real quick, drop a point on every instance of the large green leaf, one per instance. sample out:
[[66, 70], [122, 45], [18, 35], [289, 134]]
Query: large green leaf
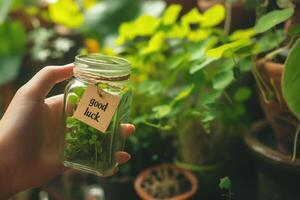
[[4, 9], [291, 80], [272, 19], [12, 48]]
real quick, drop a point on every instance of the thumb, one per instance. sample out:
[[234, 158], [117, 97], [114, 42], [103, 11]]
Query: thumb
[[41, 84]]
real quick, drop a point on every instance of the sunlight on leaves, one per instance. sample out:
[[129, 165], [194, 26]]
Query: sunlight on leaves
[[155, 44], [242, 34], [171, 14], [213, 16], [67, 13]]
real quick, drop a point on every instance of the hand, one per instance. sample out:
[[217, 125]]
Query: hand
[[30, 132]]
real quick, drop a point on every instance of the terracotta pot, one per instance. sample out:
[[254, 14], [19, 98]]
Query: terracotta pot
[[165, 176], [277, 175], [282, 121], [241, 18]]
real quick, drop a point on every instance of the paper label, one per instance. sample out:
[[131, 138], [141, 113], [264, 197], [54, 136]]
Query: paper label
[[96, 108]]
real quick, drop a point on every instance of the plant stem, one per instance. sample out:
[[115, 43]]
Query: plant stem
[[295, 144], [227, 23]]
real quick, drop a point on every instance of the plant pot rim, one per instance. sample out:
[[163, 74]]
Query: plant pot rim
[[265, 152], [191, 177], [198, 168], [271, 66]]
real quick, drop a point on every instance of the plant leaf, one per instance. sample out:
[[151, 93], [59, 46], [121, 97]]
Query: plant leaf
[[156, 43], [222, 79], [294, 30], [225, 183], [218, 52], [184, 93], [242, 34], [272, 19], [198, 66], [242, 94], [162, 111], [4, 9], [171, 14], [192, 17], [291, 80], [67, 13], [213, 16]]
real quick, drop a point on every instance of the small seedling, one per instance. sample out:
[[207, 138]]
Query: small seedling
[[225, 184]]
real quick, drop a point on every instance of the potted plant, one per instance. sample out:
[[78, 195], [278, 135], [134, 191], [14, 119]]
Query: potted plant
[[166, 181], [184, 84], [276, 74]]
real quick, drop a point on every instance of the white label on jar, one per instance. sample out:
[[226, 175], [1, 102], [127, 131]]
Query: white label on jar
[[96, 108]]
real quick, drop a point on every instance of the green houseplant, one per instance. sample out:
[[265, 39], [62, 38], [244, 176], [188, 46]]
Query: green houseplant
[[185, 86], [276, 72]]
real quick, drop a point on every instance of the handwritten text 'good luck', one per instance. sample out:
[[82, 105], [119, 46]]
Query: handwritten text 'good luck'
[[96, 104]]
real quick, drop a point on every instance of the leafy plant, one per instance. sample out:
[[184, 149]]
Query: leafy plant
[[225, 184], [87, 146], [290, 87], [184, 73]]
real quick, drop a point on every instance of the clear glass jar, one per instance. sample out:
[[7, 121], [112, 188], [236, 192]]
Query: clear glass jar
[[84, 147]]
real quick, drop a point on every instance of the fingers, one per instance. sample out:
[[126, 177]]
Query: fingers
[[127, 129], [55, 103], [122, 157], [40, 85]]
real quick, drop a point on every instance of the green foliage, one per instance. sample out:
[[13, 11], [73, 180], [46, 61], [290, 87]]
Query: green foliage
[[225, 184], [181, 66], [4, 9], [291, 80], [272, 19], [105, 17], [12, 49], [67, 13], [86, 145]]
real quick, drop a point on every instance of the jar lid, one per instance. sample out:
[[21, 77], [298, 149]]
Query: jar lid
[[102, 65]]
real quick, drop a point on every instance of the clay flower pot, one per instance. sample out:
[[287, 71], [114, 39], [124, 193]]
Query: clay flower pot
[[166, 181], [277, 176], [282, 121]]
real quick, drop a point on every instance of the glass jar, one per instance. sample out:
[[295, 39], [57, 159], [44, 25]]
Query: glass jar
[[85, 148]]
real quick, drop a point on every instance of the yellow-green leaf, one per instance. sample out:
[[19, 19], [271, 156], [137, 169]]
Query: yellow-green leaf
[[67, 13], [198, 35], [184, 93], [156, 43], [242, 34], [219, 51], [162, 111], [192, 17], [171, 14], [146, 25], [213, 16]]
